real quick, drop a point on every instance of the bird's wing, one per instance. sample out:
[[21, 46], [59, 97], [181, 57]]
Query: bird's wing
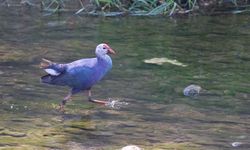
[[52, 68], [75, 74], [85, 63]]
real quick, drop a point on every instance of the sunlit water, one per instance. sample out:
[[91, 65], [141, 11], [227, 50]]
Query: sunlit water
[[154, 113]]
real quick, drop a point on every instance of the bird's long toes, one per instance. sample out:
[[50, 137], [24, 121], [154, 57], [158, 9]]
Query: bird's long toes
[[61, 107]]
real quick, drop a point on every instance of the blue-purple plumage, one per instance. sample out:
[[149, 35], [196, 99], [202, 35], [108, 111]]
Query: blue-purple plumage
[[79, 75]]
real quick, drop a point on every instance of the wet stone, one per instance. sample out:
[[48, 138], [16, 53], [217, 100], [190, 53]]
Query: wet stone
[[236, 144], [131, 147], [192, 90]]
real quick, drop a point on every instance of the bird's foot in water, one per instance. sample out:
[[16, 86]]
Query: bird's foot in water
[[61, 106], [111, 103], [101, 102]]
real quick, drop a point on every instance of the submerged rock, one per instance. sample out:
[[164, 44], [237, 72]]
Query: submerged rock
[[160, 61], [192, 90], [236, 144], [131, 147]]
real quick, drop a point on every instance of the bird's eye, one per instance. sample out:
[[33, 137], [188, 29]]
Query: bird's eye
[[104, 48]]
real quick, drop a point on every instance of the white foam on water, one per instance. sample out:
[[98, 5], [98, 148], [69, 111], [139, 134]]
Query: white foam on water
[[116, 103]]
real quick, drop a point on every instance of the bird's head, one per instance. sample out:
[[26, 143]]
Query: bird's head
[[103, 49]]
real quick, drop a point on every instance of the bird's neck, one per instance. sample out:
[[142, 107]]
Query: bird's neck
[[104, 59]]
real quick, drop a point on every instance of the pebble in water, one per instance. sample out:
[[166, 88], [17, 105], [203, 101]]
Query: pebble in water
[[236, 144], [131, 147], [192, 90]]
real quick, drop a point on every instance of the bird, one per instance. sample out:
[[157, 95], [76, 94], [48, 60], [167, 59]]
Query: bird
[[79, 75]]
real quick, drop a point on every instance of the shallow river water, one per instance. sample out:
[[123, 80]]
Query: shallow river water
[[212, 52]]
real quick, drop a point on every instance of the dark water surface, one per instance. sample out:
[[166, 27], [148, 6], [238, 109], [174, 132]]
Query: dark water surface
[[215, 49]]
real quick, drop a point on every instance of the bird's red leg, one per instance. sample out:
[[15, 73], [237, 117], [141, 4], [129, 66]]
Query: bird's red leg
[[64, 101], [95, 100]]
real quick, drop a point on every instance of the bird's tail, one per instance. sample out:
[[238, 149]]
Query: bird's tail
[[45, 63]]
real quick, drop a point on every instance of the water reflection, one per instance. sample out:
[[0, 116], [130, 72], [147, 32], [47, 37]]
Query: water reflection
[[158, 115]]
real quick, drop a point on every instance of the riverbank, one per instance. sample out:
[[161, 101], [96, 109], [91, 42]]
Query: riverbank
[[111, 8]]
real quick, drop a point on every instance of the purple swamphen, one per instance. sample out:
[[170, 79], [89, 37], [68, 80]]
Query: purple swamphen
[[79, 75]]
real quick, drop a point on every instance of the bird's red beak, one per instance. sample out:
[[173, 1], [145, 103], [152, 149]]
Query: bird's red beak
[[110, 50]]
